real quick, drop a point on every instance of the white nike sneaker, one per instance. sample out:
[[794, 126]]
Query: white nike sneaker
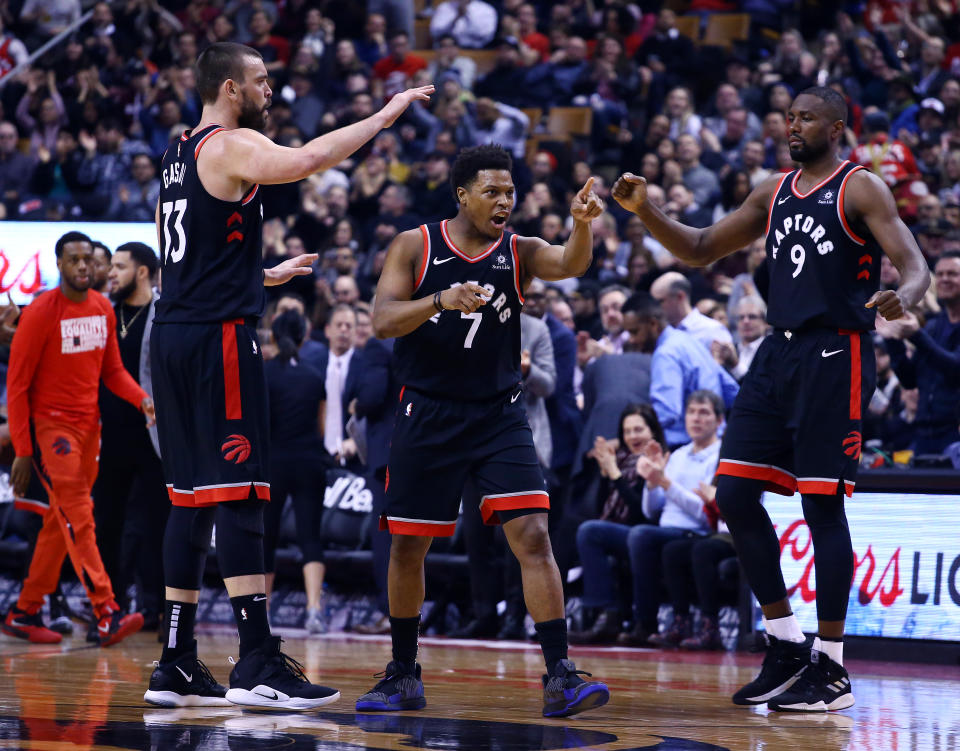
[[184, 682]]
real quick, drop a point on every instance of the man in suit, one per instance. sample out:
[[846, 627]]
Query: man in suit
[[130, 495], [341, 363]]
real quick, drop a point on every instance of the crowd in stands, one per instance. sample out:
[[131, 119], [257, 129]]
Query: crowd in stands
[[83, 127]]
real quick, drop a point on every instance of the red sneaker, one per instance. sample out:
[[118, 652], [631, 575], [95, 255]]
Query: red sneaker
[[23, 625], [114, 626]]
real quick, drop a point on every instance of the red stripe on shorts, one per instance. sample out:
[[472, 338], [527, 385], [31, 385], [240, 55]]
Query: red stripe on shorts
[[231, 371]]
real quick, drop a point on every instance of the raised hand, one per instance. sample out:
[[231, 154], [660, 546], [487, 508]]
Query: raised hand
[[399, 103], [284, 272], [586, 204], [466, 297], [630, 191]]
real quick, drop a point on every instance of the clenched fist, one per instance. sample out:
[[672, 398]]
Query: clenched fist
[[630, 191]]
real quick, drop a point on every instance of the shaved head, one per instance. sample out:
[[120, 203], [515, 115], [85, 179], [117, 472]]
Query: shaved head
[[834, 106]]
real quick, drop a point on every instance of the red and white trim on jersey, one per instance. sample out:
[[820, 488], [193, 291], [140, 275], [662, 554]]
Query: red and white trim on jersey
[[204, 495], [399, 525], [250, 194], [823, 486], [516, 267], [773, 202], [196, 151], [777, 480], [456, 251], [840, 212], [856, 372], [231, 371], [425, 261], [815, 188], [527, 499]]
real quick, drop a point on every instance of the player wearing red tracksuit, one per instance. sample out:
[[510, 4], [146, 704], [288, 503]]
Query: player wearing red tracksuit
[[65, 343]]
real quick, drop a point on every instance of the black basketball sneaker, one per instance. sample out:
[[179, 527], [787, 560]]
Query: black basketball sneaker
[[266, 678], [185, 682], [824, 686], [399, 689], [783, 665]]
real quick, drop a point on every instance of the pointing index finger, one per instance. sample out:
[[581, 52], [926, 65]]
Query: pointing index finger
[[585, 190]]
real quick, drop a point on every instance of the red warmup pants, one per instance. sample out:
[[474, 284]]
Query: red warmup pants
[[65, 457]]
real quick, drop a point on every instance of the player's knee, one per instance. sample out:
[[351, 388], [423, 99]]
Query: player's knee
[[408, 551], [824, 511], [737, 497], [529, 536], [185, 546], [240, 538]]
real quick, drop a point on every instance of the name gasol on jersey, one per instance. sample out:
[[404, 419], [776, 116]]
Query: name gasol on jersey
[[801, 223], [497, 301], [174, 173]]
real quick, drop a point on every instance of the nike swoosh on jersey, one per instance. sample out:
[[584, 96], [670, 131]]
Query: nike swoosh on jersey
[[824, 353], [438, 261], [188, 677], [515, 397], [783, 200]]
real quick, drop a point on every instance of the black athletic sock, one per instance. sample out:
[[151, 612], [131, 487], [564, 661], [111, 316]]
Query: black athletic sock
[[404, 632], [553, 641], [179, 618], [250, 612]]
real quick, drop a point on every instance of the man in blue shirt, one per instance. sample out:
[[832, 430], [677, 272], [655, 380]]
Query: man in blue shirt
[[680, 365], [934, 369]]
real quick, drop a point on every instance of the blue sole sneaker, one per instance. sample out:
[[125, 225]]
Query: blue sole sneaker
[[565, 693], [398, 690]]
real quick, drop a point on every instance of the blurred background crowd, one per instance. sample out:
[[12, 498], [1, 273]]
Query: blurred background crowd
[[627, 371]]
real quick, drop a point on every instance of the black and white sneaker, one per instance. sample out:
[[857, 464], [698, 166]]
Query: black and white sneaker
[[782, 666], [268, 679], [185, 682], [824, 686]]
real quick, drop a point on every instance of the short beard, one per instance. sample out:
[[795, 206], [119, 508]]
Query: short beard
[[807, 153], [251, 116], [77, 287], [121, 294]]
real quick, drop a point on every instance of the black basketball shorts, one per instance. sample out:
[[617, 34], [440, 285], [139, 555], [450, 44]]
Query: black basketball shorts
[[796, 423], [438, 443], [212, 411]]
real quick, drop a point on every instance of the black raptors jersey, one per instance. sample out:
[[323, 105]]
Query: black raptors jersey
[[822, 269], [210, 255], [460, 356]]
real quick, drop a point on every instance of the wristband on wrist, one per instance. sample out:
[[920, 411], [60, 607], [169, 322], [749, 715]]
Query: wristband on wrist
[[436, 301]]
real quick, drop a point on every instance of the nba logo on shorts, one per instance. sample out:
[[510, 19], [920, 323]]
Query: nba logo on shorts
[[409, 409]]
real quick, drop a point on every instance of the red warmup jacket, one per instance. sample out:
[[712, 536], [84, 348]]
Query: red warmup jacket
[[59, 354]]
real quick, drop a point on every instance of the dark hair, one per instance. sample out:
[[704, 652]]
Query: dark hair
[[706, 396], [289, 328], [836, 104], [142, 255], [949, 254], [728, 199], [643, 306], [219, 62], [398, 33], [106, 251], [470, 161], [71, 237], [649, 417]]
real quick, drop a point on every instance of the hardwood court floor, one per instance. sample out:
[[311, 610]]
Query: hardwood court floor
[[483, 696]]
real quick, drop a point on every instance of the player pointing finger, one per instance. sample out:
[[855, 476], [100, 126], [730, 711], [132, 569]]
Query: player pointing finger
[[587, 205]]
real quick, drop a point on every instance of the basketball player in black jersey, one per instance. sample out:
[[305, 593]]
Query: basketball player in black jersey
[[208, 372], [796, 422], [451, 293]]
